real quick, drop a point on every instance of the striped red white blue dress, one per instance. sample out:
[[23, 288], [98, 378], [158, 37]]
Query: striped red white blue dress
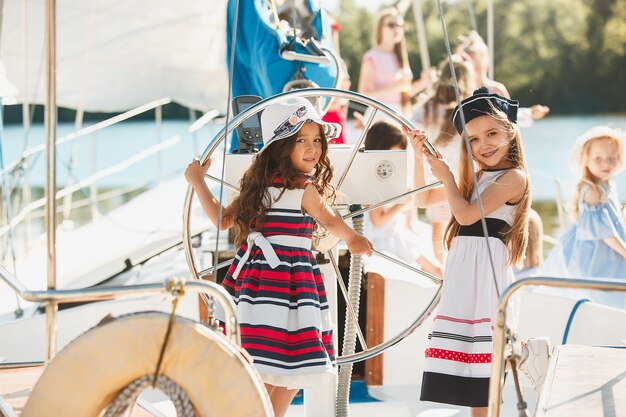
[[283, 312], [460, 345]]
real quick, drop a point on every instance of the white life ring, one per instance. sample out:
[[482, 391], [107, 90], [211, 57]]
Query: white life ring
[[87, 375]]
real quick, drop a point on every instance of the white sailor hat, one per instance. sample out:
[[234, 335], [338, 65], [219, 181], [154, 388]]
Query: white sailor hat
[[285, 118]]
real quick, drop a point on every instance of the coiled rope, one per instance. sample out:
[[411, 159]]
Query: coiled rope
[[128, 396]]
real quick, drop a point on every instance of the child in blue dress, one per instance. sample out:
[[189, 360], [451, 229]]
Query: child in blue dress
[[282, 307], [594, 246]]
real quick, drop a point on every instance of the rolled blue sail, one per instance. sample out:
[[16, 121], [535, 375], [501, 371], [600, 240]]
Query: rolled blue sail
[[259, 68]]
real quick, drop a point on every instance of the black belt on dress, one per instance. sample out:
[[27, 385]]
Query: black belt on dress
[[495, 228]]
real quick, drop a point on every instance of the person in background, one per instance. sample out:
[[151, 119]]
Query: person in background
[[284, 316], [434, 115], [390, 228], [475, 50], [595, 246], [385, 72]]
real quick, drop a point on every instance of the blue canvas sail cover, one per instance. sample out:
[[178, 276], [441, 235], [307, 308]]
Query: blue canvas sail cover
[[259, 67]]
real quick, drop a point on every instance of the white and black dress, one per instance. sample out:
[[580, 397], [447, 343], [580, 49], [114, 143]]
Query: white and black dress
[[458, 354]]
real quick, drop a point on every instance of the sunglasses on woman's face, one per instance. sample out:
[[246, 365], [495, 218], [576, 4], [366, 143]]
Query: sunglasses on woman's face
[[394, 25]]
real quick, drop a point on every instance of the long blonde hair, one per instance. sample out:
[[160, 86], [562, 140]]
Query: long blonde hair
[[516, 238], [534, 250], [587, 178]]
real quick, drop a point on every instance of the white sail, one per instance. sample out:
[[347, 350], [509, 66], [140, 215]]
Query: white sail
[[114, 55]]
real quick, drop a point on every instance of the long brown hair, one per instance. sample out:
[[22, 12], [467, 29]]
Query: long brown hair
[[587, 178], [383, 136], [444, 96], [516, 239], [534, 250], [250, 207], [399, 49]]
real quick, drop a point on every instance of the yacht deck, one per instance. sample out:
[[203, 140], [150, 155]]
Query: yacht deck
[[585, 381]]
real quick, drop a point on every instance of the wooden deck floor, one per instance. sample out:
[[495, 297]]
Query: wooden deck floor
[[16, 385], [584, 381]]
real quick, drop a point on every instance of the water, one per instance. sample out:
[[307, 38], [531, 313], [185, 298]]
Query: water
[[547, 145], [112, 145]]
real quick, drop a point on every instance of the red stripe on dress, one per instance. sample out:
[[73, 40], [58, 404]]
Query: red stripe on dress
[[286, 225], [299, 252], [292, 353], [453, 355], [282, 334], [278, 290], [466, 321]]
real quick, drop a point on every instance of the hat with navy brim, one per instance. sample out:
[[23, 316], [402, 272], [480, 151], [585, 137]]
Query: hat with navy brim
[[285, 118], [596, 132], [481, 103]]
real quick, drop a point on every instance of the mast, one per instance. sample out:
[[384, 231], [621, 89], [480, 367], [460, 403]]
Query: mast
[[50, 117], [490, 36], [421, 37]]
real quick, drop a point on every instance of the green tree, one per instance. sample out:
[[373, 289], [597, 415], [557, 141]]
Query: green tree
[[355, 36], [567, 54]]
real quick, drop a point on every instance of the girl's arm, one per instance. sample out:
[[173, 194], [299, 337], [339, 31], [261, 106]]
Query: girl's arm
[[509, 187], [317, 208], [194, 174], [382, 215], [422, 82], [593, 197], [431, 196], [616, 244]]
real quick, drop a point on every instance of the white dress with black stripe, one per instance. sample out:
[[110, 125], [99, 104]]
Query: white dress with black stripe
[[458, 354]]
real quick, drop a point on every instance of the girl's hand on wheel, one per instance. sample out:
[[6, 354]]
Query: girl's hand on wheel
[[195, 172]]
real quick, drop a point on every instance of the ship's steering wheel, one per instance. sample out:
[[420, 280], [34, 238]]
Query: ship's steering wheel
[[375, 106]]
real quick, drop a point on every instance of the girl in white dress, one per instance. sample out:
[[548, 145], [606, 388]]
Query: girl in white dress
[[458, 355]]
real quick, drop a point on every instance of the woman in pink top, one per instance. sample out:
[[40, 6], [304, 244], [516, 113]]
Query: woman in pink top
[[385, 72]]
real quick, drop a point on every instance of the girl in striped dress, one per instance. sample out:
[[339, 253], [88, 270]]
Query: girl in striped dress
[[458, 355], [276, 283]]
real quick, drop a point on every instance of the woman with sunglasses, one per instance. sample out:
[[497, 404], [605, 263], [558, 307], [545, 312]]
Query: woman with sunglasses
[[385, 72]]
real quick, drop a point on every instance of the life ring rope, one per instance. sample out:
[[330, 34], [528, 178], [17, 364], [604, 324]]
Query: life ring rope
[[128, 396]]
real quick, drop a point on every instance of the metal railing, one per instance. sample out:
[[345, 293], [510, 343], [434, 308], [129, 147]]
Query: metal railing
[[499, 336], [105, 293], [24, 214], [88, 130]]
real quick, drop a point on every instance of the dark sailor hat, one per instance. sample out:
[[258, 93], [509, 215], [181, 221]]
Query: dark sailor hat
[[481, 103]]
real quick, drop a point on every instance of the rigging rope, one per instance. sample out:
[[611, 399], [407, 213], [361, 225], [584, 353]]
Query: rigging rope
[[465, 137], [208, 301], [470, 8]]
